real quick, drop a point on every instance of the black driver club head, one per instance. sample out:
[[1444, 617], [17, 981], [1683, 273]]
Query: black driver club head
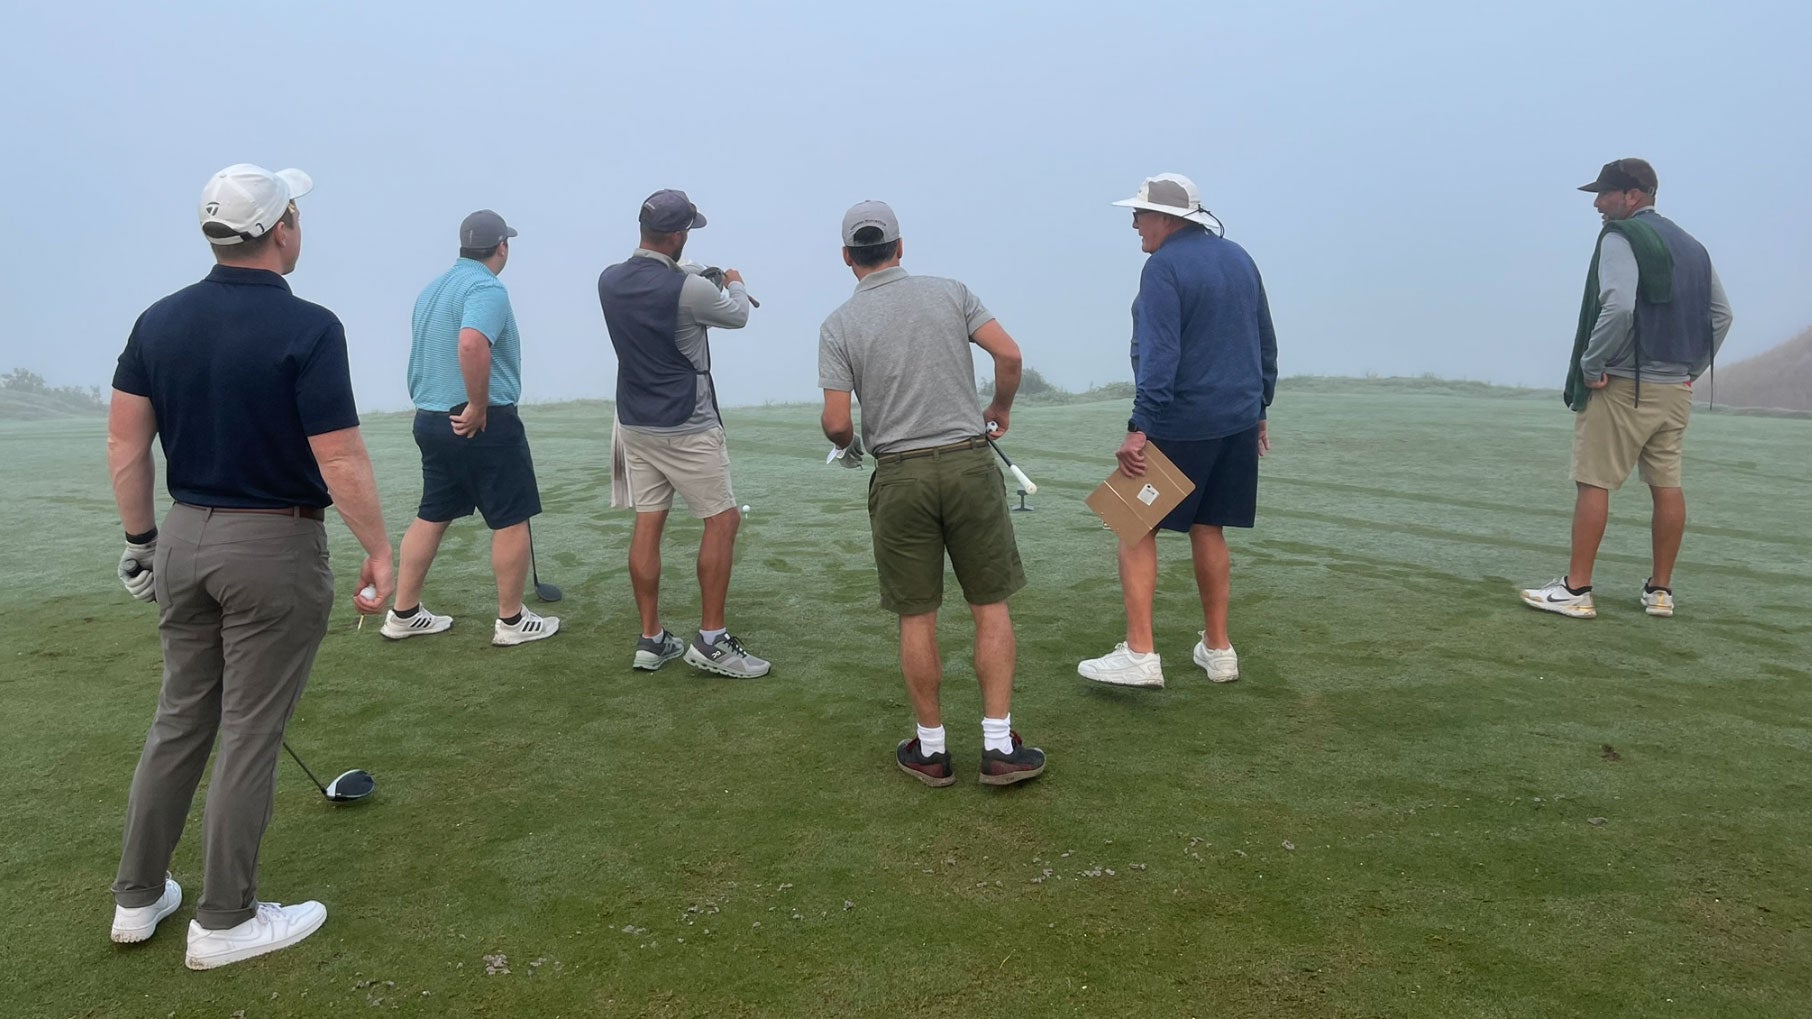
[[548, 592], [350, 787]]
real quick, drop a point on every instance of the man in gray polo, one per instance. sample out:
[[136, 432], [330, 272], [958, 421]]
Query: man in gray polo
[[901, 346], [255, 448], [668, 430]]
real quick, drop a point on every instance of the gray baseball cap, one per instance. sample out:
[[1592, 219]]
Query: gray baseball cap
[[865, 215], [484, 229], [668, 212]]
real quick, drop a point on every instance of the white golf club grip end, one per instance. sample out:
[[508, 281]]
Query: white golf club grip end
[[1024, 482]]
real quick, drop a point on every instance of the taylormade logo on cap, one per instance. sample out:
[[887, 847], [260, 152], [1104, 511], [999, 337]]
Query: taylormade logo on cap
[[244, 201], [869, 222]]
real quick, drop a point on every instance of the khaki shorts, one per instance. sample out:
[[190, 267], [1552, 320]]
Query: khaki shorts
[[697, 465], [1613, 434], [955, 503]]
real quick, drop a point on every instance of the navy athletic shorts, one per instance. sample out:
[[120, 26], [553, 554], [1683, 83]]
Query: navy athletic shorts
[[491, 472], [1225, 472]]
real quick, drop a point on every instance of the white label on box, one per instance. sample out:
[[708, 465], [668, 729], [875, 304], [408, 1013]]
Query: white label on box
[[1148, 495]]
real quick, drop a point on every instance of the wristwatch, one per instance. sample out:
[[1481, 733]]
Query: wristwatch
[[1131, 425]]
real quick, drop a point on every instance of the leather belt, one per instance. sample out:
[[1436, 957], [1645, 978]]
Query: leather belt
[[303, 512], [976, 442]]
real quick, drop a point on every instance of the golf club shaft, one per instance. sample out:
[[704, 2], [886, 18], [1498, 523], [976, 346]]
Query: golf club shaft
[[534, 572], [305, 771], [1018, 475]]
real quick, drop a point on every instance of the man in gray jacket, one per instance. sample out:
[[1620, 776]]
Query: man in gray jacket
[[1654, 316]]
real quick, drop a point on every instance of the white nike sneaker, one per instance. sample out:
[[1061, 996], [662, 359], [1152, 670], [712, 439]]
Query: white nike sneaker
[[1659, 602], [1221, 662], [529, 627], [421, 624], [1124, 667], [273, 927], [1554, 597], [132, 925]]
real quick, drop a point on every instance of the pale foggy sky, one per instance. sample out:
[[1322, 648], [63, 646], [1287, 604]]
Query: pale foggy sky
[[1403, 173]]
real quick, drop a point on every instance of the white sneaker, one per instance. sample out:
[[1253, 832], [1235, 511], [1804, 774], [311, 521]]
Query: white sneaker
[[131, 926], [1659, 602], [421, 624], [272, 928], [529, 627], [1221, 662], [1124, 667], [1554, 597]]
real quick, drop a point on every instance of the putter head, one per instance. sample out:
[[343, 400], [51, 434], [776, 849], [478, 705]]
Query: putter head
[[350, 787]]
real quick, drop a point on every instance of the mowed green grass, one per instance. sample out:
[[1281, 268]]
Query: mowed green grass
[[1391, 814]]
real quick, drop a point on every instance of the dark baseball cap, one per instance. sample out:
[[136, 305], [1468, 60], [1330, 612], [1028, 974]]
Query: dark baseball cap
[[484, 229], [668, 211], [1624, 175]]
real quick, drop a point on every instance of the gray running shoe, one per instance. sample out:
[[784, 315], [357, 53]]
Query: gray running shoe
[[727, 657], [653, 652]]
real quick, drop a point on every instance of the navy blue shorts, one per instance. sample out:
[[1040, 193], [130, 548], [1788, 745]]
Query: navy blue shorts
[[491, 472], [1225, 472]]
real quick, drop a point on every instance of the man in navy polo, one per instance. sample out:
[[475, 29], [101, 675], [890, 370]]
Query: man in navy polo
[[465, 376], [247, 387], [1204, 362]]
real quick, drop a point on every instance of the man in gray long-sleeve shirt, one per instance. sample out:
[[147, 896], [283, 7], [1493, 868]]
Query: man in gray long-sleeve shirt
[[668, 429], [1661, 316]]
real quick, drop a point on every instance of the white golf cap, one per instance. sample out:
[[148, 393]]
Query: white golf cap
[[1175, 195], [243, 202]]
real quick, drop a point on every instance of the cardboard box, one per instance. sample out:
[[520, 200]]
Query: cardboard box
[[1133, 506]]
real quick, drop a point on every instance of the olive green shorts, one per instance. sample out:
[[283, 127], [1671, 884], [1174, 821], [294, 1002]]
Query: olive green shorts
[[919, 509]]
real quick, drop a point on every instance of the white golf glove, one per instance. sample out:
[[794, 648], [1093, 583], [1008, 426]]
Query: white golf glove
[[135, 568], [851, 455]]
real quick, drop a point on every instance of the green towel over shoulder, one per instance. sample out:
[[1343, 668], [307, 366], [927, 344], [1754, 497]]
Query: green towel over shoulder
[[1655, 268]]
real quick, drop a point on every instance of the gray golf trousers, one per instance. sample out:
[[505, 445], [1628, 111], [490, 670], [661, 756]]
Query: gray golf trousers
[[243, 600]]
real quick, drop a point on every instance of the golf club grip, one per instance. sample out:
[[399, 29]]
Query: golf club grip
[[1024, 482]]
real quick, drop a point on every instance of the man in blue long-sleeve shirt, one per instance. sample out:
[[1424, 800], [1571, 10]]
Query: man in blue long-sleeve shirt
[[1204, 359]]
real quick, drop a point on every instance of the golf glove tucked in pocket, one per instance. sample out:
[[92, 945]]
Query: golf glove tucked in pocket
[[135, 568]]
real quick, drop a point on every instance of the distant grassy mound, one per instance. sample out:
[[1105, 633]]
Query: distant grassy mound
[[22, 405], [1779, 379], [1035, 390]]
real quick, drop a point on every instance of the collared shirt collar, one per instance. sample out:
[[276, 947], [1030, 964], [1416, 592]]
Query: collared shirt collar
[[245, 276], [463, 260], [657, 256], [881, 277]]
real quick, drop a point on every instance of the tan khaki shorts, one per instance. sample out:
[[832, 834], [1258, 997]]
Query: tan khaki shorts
[[1613, 434], [696, 465]]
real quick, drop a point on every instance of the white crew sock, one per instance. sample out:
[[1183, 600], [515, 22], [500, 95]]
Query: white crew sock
[[712, 636], [997, 734], [656, 635], [931, 741]]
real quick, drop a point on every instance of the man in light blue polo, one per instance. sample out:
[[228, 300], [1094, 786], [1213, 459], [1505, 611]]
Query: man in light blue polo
[[465, 376]]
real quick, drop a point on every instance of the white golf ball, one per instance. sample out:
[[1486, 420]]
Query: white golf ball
[[745, 507], [368, 592]]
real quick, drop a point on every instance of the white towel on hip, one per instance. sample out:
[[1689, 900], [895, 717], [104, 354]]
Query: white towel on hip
[[620, 496]]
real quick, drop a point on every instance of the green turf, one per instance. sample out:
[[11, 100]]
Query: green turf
[[1389, 815]]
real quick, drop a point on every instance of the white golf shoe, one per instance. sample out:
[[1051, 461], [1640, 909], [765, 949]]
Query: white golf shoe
[[1221, 662], [529, 627], [1124, 667], [135, 924], [1659, 602], [1555, 597], [421, 624], [273, 927]]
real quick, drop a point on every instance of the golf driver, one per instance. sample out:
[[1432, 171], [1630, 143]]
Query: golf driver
[[545, 592], [1018, 475], [350, 787]]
